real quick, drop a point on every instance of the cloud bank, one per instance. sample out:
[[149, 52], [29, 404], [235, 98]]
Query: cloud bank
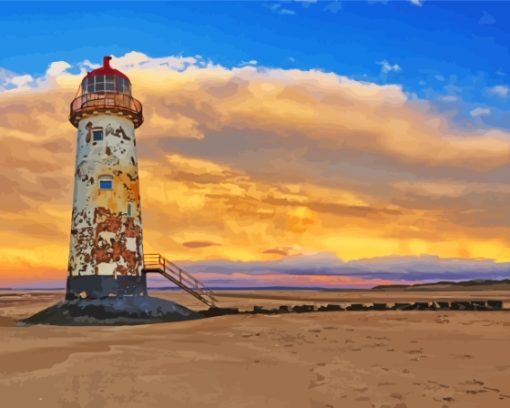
[[252, 164], [327, 270]]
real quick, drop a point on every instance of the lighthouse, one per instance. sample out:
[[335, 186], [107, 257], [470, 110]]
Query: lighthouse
[[106, 251], [107, 269]]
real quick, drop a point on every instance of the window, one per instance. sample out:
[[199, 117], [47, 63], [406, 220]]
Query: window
[[129, 209], [108, 83], [126, 87], [109, 80], [119, 84], [105, 182], [97, 135]]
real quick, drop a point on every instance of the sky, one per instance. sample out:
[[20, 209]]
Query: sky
[[300, 143]]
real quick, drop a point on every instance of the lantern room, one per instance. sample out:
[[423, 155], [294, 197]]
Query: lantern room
[[105, 90], [106, 79]]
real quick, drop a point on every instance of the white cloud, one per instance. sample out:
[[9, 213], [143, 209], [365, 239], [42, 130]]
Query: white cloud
[[287, 11], [277, 8], [142, 61], [11, 81], [499, 90], [486, 19], [56, 68], [418, 3], [333, 7], [250, 62], [306, 3], [479, 112], [21, 81], [5, 78], [448, 98], [387, 67], [87, 66]]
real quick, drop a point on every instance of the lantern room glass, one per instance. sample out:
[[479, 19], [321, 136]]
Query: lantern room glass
[[106, 83]]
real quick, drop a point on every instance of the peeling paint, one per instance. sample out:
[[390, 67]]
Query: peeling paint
[[105, 240], [89, 126], [131, 244]]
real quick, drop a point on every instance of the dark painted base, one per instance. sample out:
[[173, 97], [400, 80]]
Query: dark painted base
[[113, 311], [99, 286]]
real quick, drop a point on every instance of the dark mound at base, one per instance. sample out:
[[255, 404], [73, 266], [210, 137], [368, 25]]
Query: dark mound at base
[[111, 312]]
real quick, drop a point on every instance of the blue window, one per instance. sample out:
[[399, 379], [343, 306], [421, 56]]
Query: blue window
[[105, 183], [97, 135], [129, 210]]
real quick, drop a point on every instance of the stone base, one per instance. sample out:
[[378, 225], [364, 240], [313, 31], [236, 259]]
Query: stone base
[[103, 286], [112, 311]]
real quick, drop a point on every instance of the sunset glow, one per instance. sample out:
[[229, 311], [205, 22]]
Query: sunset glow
[[250, 163]]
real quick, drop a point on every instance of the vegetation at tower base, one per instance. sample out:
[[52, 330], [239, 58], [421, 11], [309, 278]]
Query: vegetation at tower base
[[112, 311]]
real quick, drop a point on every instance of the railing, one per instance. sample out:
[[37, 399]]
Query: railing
[[103, 101], [158, 263]]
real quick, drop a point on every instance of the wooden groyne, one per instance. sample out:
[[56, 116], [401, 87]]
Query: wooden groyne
[[471, 305]]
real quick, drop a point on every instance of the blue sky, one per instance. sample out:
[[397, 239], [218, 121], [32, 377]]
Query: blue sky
[[451, 53]]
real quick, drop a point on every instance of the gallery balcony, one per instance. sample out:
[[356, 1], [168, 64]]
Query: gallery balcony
[[89, 104]]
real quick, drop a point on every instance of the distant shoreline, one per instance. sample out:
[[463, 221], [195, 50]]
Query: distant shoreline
[[478, 284], [242, 288]]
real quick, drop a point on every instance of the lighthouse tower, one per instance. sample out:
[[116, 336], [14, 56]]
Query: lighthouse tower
[[105, 254], [106, 281]]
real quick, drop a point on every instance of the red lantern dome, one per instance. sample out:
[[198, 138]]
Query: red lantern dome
[[105, 90], [106, 69]]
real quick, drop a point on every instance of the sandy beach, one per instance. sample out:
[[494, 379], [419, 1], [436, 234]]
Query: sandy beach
[[389, 359]]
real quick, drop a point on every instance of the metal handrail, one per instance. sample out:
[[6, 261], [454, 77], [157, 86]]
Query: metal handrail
[[107, 101], [183, 278]]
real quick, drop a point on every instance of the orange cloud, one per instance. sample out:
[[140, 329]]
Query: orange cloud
[[199, 244], [261, 160]]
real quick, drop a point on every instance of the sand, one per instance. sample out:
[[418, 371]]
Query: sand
[[331, 359]]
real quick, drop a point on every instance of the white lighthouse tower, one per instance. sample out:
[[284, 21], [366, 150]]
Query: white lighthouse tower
[[106, 254], [106, 281]]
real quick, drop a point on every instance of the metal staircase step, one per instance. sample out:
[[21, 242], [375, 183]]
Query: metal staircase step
[[156, 263]]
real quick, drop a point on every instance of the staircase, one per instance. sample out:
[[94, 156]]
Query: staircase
[[156, 263]]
